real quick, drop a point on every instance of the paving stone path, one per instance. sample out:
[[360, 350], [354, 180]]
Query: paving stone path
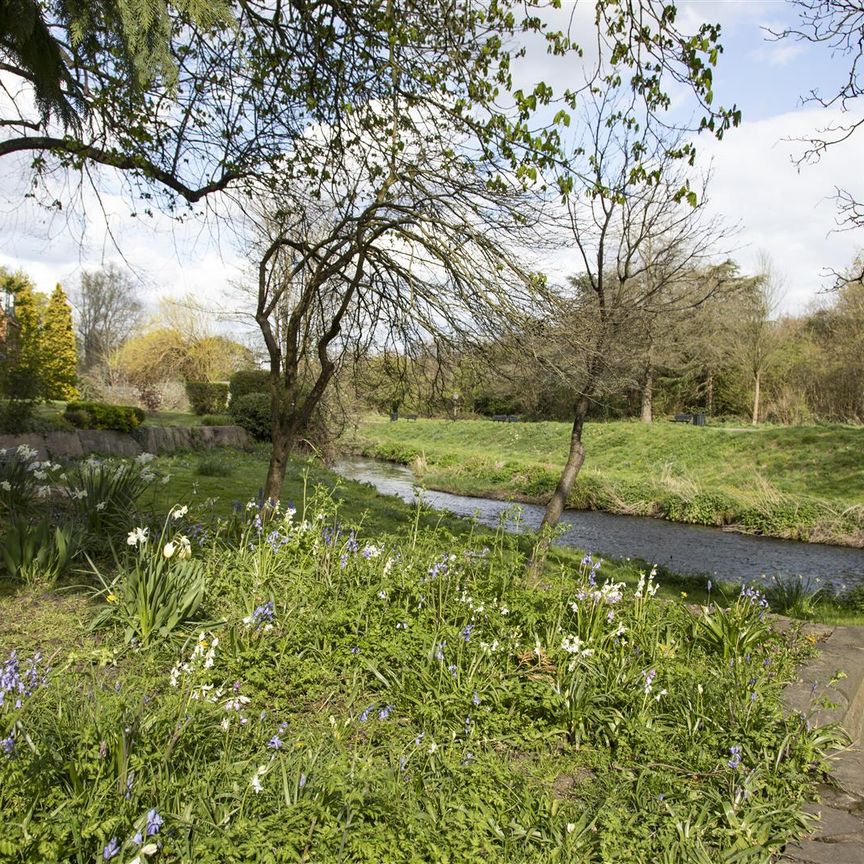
[[838, 835]]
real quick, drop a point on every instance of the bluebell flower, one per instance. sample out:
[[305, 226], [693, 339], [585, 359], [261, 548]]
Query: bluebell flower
[[154, 822], [302, 782], [112, 849], [364, 716], [138, 839], [735, 761], [8, 744], [452, 669], [384, 713], [275, 743], [466, 632], [476, 698]]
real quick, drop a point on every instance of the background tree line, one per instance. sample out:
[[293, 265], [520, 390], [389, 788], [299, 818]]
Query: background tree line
[[808, 367]]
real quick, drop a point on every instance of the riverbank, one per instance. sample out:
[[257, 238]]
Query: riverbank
[[801, 483]]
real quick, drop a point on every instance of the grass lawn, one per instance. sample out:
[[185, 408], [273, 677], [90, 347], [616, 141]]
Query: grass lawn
[[361, 681], [803, 483]]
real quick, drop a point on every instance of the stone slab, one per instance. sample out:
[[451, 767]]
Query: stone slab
[[818, 852], [834, 824]]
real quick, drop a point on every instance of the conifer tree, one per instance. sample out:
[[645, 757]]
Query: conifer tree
[[21, 372], [59, 356]]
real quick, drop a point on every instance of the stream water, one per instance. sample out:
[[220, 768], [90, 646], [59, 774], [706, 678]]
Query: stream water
[[689, 549]]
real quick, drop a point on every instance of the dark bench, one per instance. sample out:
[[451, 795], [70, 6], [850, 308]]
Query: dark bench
[[506, 418], [697, 419], [394, 416]]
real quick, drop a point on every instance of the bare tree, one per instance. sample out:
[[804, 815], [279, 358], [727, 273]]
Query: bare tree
[[108, 311], [755, 337], [639, 233]]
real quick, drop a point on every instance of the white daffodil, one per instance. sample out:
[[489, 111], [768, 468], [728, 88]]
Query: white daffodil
[[179, 512], [185, 547], [138, 536], [169, 550]]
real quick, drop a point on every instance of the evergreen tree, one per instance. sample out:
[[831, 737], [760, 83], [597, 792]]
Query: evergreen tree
[[20, 366], [59, 356]]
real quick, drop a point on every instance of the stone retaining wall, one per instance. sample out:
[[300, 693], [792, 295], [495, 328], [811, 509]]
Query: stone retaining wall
[[150, 439]]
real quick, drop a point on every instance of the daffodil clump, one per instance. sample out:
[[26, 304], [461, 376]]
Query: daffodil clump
[[280, 687]]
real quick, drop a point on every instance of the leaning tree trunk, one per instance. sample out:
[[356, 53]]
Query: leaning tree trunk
[[648, 397], [756, 394], [558, 501]]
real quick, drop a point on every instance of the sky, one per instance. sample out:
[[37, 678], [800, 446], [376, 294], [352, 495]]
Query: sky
[[781, 209]]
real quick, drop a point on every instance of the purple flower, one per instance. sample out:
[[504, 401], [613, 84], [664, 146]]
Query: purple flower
[[275, 742], [384, 713], [302, 782], [8, 744], [364, 716], [476, 698], [154, 822], [452, 669], [466, 632], [735, 761], [263, 614], [439, 651], [112, 849], [138, 839]]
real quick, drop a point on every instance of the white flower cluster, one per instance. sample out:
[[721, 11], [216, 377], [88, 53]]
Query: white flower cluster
[[608, 594], [179, 545], [203, 656], [574, 645], [138, 537], [646, 587]]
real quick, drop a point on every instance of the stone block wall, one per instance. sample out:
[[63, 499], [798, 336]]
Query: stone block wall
[[150, 439]]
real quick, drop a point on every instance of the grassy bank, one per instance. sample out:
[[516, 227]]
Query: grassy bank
[[804, 483], [360, 681]]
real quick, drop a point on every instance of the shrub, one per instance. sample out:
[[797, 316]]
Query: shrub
[[98, 415], [248, 381], [207, 397], [252, 412]]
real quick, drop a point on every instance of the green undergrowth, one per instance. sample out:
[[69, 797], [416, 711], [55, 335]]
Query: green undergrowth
[[350, 693], [803, 483]]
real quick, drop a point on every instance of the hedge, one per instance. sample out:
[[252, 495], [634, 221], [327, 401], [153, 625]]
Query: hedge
[[252, 412], [99, 415], [207, 397], [248, 381]]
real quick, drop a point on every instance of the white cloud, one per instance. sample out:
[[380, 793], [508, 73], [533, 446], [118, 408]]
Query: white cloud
[[785, 211]]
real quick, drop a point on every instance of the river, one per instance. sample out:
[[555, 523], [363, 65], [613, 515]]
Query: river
[[687, 549]]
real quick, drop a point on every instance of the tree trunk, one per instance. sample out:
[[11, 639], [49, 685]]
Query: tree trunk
[[558, 501], [756, 399], [281, 446], [648, 397], [709, 397]]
